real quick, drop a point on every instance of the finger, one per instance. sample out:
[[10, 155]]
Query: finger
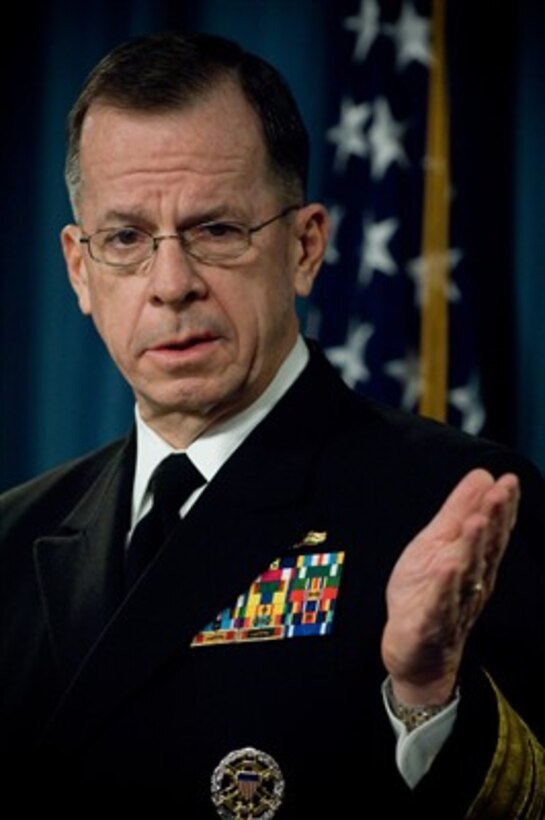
[[471, 590], [465, 499], [477, 491], [484, 541], [500, 507], [468, 553], [501, 503]]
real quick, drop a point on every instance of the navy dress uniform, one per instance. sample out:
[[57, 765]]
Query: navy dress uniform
[[240, 676]]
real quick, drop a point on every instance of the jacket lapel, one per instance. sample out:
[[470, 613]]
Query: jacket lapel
[[79, 568]]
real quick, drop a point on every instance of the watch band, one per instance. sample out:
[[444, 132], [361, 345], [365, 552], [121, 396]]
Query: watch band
[[413, 716]]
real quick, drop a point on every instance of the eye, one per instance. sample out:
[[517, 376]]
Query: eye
[[123, 238], [219, 231]]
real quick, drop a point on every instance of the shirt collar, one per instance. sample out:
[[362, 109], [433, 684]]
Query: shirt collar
[[212, 449]]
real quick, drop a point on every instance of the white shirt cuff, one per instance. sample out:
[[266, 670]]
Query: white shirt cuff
[[416, 750]]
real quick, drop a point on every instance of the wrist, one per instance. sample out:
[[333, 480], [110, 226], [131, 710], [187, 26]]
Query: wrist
[[431, 692], [413, 715]]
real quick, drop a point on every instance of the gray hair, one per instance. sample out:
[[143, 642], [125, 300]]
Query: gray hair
[[169, 71]]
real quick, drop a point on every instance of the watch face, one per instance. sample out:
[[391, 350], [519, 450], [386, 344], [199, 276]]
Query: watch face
[[247, 785]]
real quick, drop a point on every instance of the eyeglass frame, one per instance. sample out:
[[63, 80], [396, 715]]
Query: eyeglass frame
[[248, 231]]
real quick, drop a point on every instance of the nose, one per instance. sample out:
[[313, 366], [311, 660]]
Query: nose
[[173, 278]]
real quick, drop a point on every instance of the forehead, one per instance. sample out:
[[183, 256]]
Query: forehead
[[215, 141]]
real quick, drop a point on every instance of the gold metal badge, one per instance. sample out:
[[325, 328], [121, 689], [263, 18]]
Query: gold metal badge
[[312, 539], [247, 785]]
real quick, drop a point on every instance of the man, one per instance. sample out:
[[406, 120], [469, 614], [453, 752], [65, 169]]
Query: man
[[327, 622]]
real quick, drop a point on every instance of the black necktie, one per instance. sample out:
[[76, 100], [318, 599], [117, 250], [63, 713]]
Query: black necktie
[[172, 483]]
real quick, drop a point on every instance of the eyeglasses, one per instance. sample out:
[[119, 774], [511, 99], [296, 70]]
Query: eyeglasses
[[209, 242]]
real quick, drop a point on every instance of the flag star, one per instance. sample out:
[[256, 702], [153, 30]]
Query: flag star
[[375, 254], [419, 268], [366, 26], [407, 372], [384, 138], [411, 35], [350, 357], [348, 134], [467, 400], [336, 216]]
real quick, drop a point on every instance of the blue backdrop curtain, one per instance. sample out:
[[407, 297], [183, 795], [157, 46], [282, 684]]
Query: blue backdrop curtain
[[60, 395], [529, 234]]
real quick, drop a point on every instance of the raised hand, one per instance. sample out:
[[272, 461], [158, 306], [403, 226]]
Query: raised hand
[[441, 583]]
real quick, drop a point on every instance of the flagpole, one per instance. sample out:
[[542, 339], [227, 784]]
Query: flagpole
[[435, 231]]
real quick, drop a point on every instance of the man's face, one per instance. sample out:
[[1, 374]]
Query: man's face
[[196, 342]]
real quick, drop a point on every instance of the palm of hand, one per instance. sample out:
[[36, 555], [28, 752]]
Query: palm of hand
[[430, 601]]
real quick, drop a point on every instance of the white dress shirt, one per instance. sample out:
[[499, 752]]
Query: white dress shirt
[[212, 449]]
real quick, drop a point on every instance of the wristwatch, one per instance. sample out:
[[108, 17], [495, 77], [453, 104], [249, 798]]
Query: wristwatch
[[413, 716]]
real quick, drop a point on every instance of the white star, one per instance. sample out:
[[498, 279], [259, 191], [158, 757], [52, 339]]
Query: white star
[[350, 357], [375, 254], [336, 216], [348, 133], [411, 35], [467, 400], [365, 24], [419, 268], [408, 373], [384, 137]]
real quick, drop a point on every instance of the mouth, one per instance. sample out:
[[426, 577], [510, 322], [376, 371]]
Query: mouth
[[186, 343], [181, 349]]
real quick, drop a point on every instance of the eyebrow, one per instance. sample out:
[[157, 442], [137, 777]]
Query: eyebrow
[[138, 216], [125, 216]]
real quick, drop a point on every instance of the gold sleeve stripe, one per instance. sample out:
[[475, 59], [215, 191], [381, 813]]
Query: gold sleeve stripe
[[514, 786]]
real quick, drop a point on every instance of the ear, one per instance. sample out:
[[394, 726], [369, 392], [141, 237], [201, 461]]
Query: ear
[[76, 266], [312, 231]]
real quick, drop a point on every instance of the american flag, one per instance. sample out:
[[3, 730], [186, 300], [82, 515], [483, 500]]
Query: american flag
[[370, 298]]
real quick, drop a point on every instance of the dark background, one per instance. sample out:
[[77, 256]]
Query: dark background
[[60, 396]]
